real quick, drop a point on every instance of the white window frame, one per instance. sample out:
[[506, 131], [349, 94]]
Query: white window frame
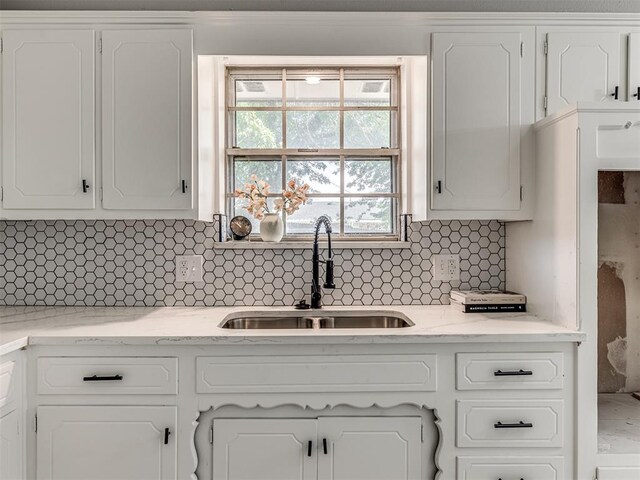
[[413, 106], [341, 153]]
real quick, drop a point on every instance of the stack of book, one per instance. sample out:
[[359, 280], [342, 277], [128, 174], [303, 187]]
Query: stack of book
[[480, 301]]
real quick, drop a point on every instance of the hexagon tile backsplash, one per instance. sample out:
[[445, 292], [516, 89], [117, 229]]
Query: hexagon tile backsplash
[[131, 263]]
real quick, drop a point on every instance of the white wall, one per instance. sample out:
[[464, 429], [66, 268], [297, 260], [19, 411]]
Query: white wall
[[334, 5]]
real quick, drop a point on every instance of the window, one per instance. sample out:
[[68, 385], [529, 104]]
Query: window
[[334, 128]]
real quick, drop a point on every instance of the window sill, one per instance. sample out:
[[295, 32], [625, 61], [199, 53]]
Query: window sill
[[337, 245]]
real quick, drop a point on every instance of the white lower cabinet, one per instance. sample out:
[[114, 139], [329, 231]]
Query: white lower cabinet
[[106, 443], [336, 448], [492, 468], [12, 435], [246, 449], [365, 448], [291, 413], [10, 446], [510, 423]]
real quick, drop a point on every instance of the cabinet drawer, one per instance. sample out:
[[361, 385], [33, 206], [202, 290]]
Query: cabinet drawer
[[509, 423], [110, 375], [618, 473], [8, 379], [492, 468], [509, 371], [344, 373]]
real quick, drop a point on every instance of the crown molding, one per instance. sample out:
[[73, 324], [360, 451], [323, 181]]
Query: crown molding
[[388, 19]]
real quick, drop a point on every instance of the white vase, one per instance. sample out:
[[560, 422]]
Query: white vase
[[271, 227]]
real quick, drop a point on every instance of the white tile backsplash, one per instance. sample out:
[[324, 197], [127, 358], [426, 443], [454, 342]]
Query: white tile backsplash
[[132, 263]]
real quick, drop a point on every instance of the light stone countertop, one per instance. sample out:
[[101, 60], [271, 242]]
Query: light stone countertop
[[22, 326]]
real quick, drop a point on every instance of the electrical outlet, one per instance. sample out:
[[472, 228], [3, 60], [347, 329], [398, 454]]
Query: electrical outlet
[[189, 268], [446, 268]]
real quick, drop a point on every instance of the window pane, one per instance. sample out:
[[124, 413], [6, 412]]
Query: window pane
[[258, 129], [322, 174], [367, 129], [238, 209], [368, 215], [368, 175], [304, 219], [302, 93], [258, 93], [269, 170], [310, 129], [372, 92]]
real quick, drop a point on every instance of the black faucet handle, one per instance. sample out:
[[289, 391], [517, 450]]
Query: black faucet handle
[[329, 278]]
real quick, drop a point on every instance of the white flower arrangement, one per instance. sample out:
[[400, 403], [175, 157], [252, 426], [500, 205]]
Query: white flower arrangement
[[256, 192]]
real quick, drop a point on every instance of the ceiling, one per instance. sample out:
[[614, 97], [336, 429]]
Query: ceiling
[[606, 6]]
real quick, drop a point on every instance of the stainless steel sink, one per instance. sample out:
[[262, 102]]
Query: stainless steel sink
[[250, 323], [342, 320], [373, 321]]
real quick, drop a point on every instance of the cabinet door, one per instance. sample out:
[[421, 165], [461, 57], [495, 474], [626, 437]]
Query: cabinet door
[[146, 119], [582, 67], [476, 121], [265, 449], [10, 446], [48, 149], [370, 448], [106, 443], [634, 68]]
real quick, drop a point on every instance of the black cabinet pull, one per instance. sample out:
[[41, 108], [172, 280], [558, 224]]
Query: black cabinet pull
[[324, 446], [105, 378], [167, 432], [637, 94], [184, 186], [85, 186], [309, 446], [615, 93], [512, 373], [520, 424], [439, 186]]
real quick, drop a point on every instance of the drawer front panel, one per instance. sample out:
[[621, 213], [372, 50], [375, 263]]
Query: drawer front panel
[[8, 380], [618, 473], [509, 423], [492, 468], [115, 376], [345, 373], [509, 371]]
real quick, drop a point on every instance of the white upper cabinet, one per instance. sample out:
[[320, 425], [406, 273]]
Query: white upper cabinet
[[477, 117], [48, 119], [582, 67], [634, 68], [146, 119]]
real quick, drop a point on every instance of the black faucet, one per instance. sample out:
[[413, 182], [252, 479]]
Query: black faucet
[[316, 292]]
